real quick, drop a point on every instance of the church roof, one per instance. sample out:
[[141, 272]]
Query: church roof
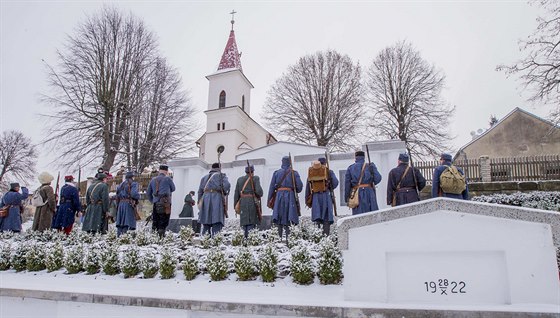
[[231, 57]]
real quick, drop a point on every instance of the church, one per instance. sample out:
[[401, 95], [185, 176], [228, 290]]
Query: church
[[237, 138]]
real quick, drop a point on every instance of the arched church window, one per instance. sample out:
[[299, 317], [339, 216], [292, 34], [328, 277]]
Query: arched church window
[[243, 102], [222, 103]]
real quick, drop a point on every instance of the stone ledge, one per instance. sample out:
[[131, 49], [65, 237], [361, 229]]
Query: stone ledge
[[266, 309]]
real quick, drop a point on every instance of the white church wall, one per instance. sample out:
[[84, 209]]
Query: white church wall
[[234, 84]]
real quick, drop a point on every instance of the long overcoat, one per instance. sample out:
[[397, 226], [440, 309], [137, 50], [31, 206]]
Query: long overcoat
[[407, 192], [14, 199], [321, 202], [367, 195], [210, 192], [435, 183], [97, 200], [187, 211], [284, 211], [43, 218], [160, 187], [69, 205], [248, 215], [127, 196]]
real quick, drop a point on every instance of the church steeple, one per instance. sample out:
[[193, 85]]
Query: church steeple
[[231, 57]]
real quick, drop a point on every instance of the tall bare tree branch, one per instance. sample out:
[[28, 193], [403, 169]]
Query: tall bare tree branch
[[317, 101], [539, 70], [404, 94], [102, 82], [18, 157]]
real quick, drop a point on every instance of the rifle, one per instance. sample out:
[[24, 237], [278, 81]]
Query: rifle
[[298, 208], [256, 200], [56, 191], [224, 197], [369, 167], [79, 179], [333, 198], [413, 174]]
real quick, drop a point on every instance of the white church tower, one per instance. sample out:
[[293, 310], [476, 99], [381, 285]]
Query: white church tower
[[229, 124]]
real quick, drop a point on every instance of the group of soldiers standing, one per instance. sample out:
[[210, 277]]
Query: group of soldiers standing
[[403, 186]]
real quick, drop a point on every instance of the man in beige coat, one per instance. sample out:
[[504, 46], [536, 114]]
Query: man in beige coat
[[44, 214]]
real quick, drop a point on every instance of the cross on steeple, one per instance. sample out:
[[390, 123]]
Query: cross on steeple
[[232, 18]]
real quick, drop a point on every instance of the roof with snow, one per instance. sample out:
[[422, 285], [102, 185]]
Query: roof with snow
[[231, 57]]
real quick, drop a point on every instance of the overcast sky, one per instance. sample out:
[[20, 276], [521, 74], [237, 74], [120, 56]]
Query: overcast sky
[[464, 39]]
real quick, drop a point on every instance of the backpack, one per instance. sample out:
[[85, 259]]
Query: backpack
[[452, 181], [37, 199]]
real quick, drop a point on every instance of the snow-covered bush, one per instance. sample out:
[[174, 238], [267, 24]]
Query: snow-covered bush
[[205, 241], [168, 238], [330, 263], [92, 259], [5, 255], [130, 264], [271, 235], [301, 267], [537, 200], [254, 238], [144, 238], [268, 263], [110, 260], [315, 234], [237, 238], [35, 257], [190, 265], [19, 257], [55, 257], [74, 259], [186, 234], [125, 239], [149, 264], [111, 235], [245, 265], [216, 264], [167, 264]]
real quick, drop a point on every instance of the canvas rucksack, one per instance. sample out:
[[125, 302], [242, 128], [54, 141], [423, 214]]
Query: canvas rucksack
[[452, 181], [37, 199]]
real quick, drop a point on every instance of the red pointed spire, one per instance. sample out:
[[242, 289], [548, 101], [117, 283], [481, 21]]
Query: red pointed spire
[[231, 57]]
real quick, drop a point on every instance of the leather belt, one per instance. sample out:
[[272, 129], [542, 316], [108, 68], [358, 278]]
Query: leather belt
[[364, 186], [211, 191], [285, 189], [245, 195]]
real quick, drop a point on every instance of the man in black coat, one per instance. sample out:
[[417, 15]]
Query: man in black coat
[[404, 183]]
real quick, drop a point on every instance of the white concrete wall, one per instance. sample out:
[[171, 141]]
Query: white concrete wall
[[187, 173], [234, 83], [485, 260]]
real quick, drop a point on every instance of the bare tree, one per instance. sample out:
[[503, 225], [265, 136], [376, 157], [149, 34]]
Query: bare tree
[[100, 85], [404, 93], [539, 71], [18, 157], [317, 101], [161, 130]]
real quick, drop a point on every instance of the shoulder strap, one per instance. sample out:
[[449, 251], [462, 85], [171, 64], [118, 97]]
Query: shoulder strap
[[245, 185], [93, 190], [283, 178], [208, 181], [402, 177], [362, 173], [157, 187]]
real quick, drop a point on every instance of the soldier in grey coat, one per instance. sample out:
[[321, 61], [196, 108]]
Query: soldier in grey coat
[[212, 195], [97, 200], [249, 199]]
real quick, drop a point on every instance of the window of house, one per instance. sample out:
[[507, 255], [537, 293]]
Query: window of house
[[223, 126], [222, 102], [218, 126], [243, 102]]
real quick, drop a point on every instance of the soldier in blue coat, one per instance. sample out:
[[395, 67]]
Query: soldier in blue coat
[[318, 190], [284, 211], [127, 198], [12, 198], [212, 197], [68, 207], [404, 183], [159, 191], [445, 161], [365, 188]]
